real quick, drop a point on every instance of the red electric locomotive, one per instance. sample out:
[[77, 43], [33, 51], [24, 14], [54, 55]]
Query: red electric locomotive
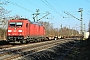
[[22, 30]]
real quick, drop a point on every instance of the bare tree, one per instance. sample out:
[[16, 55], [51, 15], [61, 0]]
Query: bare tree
[[3, 18], [48, 27], [3, 14], [15, 17], [64, 31]]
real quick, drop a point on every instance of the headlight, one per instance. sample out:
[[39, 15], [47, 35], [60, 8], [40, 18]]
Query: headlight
[[19, 30], [9, 30]]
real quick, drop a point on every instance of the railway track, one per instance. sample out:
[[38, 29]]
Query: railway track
[[18, 52], [5, 46]]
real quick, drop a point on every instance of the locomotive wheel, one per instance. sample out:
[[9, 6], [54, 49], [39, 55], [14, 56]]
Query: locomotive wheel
[[23, 42]]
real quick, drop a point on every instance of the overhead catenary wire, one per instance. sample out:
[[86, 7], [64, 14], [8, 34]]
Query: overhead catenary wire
[[61, 9], [37, 7], [37, 14], [58, 5], [54, 8], [19, 6], [88, 1], [34, 5], [51, 7], [44, 9]]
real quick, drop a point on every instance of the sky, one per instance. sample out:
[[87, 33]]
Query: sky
[[56, 8]]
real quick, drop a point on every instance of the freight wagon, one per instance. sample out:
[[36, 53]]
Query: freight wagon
[[23, 31]]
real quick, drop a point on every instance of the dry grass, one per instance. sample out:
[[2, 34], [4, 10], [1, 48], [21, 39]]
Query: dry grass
[[80, 52]]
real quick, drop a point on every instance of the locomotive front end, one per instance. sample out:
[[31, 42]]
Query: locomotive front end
[[15, 31]]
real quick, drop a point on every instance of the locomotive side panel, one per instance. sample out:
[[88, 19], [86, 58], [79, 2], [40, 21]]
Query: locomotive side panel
[[37, 30], [42, 31], [32, 29]]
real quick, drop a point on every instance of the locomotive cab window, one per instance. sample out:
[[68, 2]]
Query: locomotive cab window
[[16, 24], [26, 24], [12, 24]]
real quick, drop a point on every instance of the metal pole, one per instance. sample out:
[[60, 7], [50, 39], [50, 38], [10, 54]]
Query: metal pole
[[81, 19], [84, 28]]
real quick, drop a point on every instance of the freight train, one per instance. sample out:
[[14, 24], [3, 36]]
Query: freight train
[[23, 30]]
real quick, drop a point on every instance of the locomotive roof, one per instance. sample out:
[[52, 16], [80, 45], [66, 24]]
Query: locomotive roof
[[36, 23], [20, 19], [28, 20]]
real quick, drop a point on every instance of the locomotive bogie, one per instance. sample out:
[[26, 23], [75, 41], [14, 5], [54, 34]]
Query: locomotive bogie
[[14, 38]]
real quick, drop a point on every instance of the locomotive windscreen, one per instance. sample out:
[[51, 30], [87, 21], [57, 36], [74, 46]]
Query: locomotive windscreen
[[16, 24]]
